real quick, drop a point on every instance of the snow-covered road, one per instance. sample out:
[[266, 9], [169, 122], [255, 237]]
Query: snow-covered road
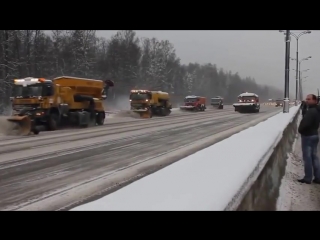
[[215, 178]]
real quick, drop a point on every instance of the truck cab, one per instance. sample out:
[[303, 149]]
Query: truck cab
[[140, 99], [217, 102], [247, 103], [30, 94], [194, 103], [148, 103]]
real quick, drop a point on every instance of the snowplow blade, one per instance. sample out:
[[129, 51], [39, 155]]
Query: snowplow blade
[[23, 124], [187, 108], [143, 113]]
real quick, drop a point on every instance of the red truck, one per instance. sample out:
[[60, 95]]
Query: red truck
[[194, 103]]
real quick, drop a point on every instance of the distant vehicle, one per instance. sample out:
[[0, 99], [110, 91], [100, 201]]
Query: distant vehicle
[[279, 102], [194, 103], [247, 102], [148, 103], [217, 102]]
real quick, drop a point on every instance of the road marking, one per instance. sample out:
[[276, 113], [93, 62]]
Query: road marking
[[51, 144], [124, 146]]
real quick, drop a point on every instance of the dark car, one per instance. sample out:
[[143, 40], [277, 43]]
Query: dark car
[[279, 102], [217, 102]]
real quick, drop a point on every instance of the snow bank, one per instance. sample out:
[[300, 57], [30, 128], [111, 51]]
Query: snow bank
[[206, 180]]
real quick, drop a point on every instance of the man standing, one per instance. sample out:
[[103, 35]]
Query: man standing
[[308, 129]]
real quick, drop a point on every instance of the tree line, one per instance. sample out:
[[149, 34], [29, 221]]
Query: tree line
[[131, 62]]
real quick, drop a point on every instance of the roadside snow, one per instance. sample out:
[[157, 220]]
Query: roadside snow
[[206, 180]]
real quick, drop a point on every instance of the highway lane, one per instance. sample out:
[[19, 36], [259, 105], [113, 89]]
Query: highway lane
[[58, 146], [16, 144], [121, 119], [37, 182]]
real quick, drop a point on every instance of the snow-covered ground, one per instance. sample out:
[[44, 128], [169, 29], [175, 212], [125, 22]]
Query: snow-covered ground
[[206, 180], [295, 196]]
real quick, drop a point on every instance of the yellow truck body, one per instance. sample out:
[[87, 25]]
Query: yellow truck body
[[63, 101]]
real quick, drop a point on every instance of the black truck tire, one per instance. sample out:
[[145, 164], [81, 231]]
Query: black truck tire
[[36, 132], [100, 118], [53, 122]]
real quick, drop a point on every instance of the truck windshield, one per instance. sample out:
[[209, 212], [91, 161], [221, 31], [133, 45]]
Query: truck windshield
[[190, 100], [247, 98], [140, 96], [27, 91]]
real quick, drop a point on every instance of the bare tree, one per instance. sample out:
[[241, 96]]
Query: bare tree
[[131, 62]]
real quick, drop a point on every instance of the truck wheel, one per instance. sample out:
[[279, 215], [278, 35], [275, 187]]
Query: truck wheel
[[35, 132], [150, 113], [53, 122], [100, 119]]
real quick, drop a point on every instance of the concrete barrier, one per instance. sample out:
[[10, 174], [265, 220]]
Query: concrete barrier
[[264, 192]]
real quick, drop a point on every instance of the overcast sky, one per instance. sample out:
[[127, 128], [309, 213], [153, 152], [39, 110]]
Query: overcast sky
[[259, 54]]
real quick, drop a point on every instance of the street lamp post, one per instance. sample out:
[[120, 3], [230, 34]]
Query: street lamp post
[[300, 85], [287, 72], [297, 36]]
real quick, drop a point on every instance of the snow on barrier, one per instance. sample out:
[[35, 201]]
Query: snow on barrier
[[242, 172]]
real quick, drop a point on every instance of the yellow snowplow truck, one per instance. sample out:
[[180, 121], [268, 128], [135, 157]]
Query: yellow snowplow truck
[[41, 104], [148, 103]]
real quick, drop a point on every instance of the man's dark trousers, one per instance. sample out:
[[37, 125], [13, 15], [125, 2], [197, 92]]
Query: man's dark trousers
[[310, 158]]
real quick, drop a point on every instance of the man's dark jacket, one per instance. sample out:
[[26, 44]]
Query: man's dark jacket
[[310, 122], [303, 108]]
